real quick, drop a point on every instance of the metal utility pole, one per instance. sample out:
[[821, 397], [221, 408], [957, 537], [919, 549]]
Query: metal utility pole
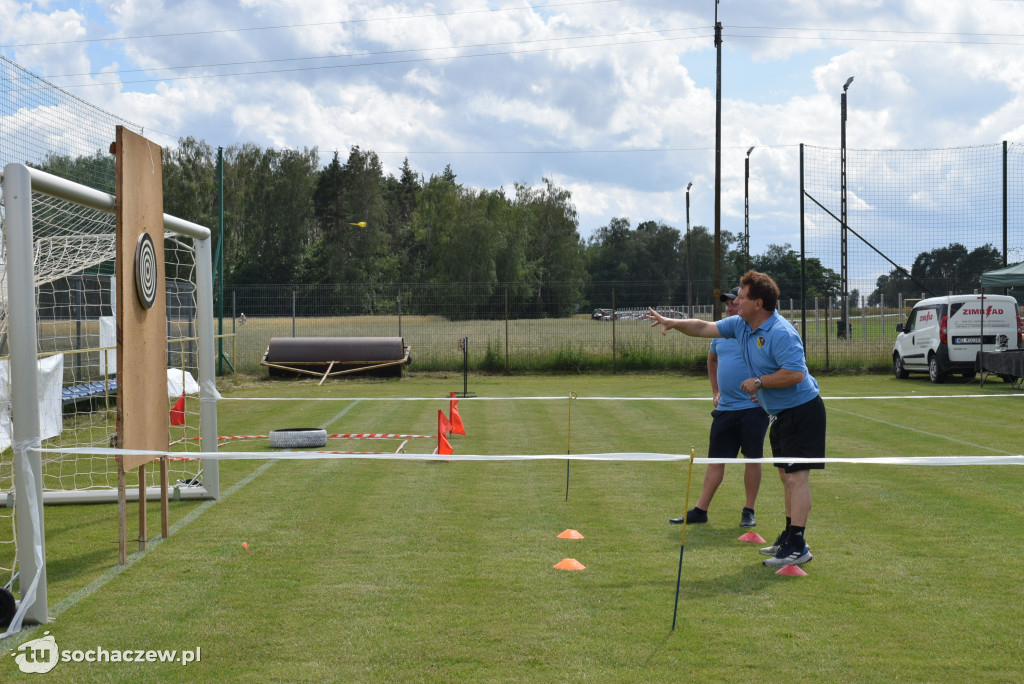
[[689, 273], [746, 211], [717, 306], [844, 285]]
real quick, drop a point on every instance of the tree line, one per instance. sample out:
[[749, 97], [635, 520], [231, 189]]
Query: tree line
[[288, 219]]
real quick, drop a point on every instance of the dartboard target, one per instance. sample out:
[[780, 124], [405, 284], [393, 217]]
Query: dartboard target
[[146, 271]]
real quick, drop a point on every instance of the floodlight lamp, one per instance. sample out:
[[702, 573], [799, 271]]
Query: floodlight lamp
[[751, 149], [688, 186], [847, 84]]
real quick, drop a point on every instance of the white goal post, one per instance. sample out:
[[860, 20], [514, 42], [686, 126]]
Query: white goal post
[[19, 182]]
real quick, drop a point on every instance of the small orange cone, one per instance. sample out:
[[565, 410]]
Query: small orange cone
[[752, 537], [245, 545], [792, 570], [570, 564], [570, 534]]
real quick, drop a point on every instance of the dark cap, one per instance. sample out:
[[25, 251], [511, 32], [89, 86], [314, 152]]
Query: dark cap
[[730, 295]]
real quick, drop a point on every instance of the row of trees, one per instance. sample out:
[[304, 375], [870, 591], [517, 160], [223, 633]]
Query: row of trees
[[290, 220], [937, 272]]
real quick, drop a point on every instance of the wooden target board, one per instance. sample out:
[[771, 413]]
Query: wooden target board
[[142, 416]]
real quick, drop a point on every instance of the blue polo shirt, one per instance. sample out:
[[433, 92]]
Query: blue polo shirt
[[773, 345], [732, 371]]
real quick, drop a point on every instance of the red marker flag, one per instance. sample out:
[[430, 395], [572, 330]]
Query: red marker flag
[[456, 420], [178, 411], [443, 428]]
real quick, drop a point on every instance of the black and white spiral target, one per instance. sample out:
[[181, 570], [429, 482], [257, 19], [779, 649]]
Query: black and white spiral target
[[146, 271]]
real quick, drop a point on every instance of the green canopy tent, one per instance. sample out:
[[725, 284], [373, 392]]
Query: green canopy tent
[[1009, 276], [1009, 364]]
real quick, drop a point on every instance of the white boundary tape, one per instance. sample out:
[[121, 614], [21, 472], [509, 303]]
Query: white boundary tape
[[1016, 459], [1019, 395]]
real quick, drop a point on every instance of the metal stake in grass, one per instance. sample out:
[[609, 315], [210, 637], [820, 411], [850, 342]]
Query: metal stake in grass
[[682, 545], [568, 445]]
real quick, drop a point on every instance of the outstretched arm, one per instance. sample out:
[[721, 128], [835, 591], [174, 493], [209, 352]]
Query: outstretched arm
[[694, 327]]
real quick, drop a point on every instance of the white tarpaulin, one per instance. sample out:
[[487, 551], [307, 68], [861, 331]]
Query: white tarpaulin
[[178, 380], [51, 410], [5, 405], [108, 338], [51, 377]]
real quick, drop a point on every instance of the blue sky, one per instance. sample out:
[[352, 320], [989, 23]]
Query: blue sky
[[623, 124]]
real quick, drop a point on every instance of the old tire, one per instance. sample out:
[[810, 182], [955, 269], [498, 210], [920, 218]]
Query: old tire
[[298, 438]]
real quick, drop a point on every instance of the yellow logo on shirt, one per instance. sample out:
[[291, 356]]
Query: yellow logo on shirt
[[760, 342]]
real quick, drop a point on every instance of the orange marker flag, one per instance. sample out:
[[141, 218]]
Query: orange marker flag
[[178, 411], [444, 447], [457, 427], [444, 426]]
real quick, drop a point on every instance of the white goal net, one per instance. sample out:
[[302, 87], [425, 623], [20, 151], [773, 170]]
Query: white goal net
[[61, 143]]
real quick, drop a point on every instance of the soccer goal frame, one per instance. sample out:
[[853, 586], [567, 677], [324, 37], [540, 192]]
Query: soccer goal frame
[[19, 182]]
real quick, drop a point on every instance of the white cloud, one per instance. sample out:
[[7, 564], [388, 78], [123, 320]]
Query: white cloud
[[915, 86]]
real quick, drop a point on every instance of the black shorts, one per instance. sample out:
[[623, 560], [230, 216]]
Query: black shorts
[[732, 431], [799, 432]]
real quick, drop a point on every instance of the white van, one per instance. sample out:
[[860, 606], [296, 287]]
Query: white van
[[942, 335]]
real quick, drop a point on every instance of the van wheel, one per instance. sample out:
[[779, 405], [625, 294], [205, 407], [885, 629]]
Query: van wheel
[[898, 369], [934, 372]]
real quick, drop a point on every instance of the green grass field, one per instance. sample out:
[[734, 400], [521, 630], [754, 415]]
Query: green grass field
[[364, 570]]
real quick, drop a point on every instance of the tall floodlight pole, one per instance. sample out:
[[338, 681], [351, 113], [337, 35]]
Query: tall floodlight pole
[[717, 306], [689, 274], [746, 211], [844, 285]]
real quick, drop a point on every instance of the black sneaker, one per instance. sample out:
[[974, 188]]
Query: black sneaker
[[790, 554], [774, 548], [747, 519], [694, 515]]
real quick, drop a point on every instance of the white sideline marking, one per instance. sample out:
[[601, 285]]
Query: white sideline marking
[[921, 432], [85, 592], [338, 417]]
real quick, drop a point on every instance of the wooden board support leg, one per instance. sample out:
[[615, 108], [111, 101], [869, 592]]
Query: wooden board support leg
[[142, 508], [122, 515], [165, 523]]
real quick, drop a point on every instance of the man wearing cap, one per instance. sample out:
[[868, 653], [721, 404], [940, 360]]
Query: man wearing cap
[[737, 424]]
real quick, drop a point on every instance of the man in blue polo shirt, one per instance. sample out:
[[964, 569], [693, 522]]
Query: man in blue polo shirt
[[780, 382], [737, 425]]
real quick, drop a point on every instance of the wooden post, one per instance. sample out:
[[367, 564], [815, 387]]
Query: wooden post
[[142, 507], [122, 515], [165, 530]]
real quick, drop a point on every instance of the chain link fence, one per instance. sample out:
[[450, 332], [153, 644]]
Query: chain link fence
[[507, 327]]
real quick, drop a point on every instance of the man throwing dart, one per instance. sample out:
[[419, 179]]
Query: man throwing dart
[[780, 382]]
